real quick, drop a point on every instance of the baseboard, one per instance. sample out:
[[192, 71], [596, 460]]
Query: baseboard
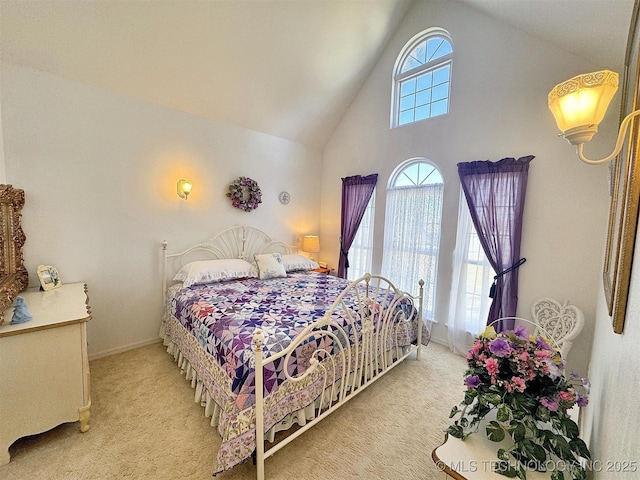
[[439, 337], [125, 348], [440, 341]]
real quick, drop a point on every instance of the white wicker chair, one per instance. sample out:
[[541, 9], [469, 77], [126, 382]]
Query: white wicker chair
[[562, 322]]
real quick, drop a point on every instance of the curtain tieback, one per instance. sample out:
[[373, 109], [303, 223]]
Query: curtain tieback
[[346, 257], [345, 254], [492, 290]]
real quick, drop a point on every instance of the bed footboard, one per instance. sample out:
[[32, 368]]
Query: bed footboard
[[375, 333]]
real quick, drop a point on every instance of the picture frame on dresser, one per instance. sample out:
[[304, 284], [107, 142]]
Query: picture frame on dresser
[[49, 277], [14, 277]]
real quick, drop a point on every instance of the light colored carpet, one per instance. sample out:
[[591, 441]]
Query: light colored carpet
[[145, 425]]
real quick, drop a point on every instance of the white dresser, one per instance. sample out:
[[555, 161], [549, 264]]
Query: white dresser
[[44, 367]]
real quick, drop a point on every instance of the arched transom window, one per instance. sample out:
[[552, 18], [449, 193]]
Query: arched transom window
[[422, 78]]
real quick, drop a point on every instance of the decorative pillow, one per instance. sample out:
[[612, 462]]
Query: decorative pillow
[[209, 271], [270, 265], [298, 262]]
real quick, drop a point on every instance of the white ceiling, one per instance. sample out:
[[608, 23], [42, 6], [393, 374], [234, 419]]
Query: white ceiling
[[288, 68]]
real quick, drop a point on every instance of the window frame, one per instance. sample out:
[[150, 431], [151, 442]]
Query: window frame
[[431, 284], [361, 246], [398, 77], [400, 169], [476, 310]]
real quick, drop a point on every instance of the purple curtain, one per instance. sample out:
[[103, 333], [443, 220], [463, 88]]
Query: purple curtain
[[356, 193], [495, 193]]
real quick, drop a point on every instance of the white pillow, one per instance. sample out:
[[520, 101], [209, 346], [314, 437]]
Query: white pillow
[[270, 265], [209, 271], [298, 262]]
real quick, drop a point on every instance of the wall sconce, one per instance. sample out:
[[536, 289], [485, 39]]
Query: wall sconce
[[579, 105], [310, 244], [184, 188]]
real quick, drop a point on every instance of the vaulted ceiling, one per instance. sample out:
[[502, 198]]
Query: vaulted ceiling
[[288, 68], [595, 30]]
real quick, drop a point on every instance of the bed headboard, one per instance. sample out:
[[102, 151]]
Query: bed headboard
[[234, 242]]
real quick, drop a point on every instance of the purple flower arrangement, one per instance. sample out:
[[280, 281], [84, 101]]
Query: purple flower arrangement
[[521, 379]]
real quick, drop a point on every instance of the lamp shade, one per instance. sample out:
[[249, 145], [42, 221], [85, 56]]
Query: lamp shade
[[310, 243], [581, 103]]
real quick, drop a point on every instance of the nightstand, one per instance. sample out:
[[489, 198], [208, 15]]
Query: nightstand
[[325, 270]]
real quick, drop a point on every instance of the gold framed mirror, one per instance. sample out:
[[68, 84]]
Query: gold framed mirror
[[625, 190], [13, 275]]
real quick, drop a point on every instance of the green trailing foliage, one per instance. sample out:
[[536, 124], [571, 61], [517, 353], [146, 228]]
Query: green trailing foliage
[[518, 393]]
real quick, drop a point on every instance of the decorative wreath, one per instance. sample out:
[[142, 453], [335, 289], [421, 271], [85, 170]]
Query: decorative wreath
[[245, 194]]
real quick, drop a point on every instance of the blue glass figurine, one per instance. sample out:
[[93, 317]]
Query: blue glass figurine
[[20, 312]]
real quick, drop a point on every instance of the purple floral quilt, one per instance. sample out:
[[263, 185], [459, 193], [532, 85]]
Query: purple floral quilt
[[213, 326]]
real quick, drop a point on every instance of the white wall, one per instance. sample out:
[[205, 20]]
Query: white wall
[[611, 421], [500, 83], [99, 171], [3, 174]]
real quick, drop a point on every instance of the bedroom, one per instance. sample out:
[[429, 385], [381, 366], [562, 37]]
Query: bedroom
[[100, 167]]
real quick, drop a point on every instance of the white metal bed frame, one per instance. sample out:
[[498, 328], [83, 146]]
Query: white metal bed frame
[[358, 363]]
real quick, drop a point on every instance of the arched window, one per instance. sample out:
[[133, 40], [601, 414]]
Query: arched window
[[422, 78], [413, 218]]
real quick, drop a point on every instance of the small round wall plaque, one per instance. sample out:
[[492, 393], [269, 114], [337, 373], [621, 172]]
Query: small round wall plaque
[[284, 198]]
